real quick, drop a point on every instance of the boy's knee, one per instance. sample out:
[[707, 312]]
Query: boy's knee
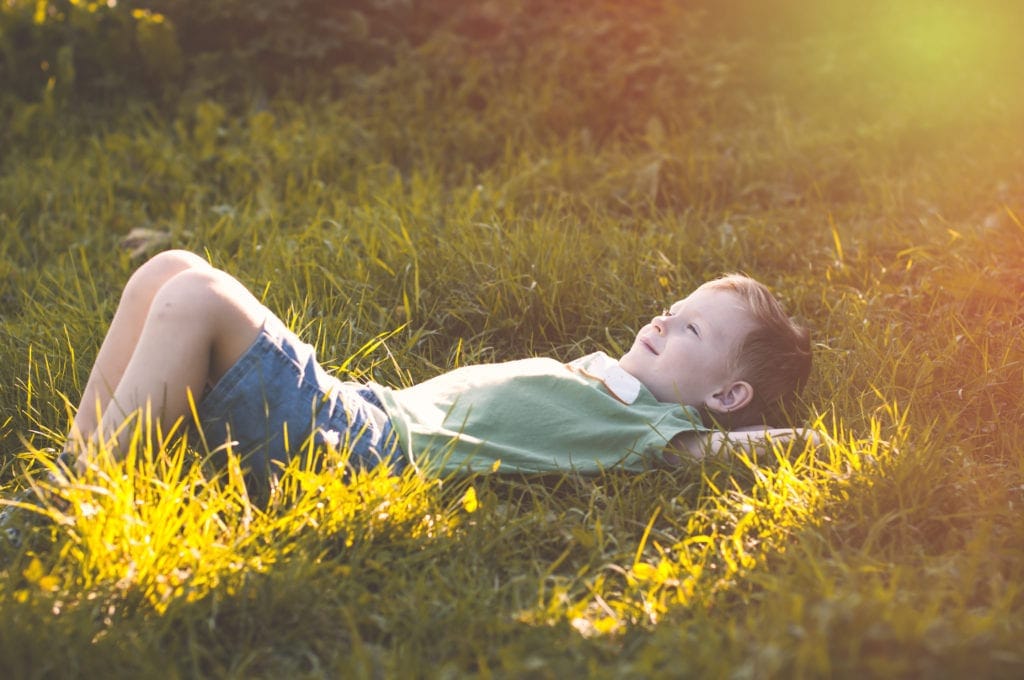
[[201, 292], [211, 303], [191, 284], [170, 262], [160, 269], [184, 299]]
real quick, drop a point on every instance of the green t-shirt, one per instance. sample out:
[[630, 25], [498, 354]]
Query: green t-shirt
[[534, 415]]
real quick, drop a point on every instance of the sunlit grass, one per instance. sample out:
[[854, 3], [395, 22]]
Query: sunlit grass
[[473, 203]]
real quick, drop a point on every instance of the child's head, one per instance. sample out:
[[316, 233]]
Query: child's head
[[774, 357], [727, 349]]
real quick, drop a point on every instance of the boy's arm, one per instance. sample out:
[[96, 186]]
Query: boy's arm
[[756, 440]]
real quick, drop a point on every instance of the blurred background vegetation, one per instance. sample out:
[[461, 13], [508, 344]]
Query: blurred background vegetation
[[936, 60]]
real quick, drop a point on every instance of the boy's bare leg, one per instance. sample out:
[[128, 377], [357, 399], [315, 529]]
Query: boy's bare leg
[[123, 334], [197, 325]]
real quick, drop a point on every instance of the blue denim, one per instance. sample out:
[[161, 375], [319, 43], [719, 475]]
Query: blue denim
[[276, 397]]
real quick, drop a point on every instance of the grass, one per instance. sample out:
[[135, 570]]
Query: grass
[[475, 201]]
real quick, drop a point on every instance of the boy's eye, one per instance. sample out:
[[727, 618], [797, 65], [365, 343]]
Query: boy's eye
[[693, 329]]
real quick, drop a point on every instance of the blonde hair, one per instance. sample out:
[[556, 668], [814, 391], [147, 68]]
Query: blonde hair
[[775, 357]]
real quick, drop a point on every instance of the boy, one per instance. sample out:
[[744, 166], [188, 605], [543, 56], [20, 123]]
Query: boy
[[725, 356]]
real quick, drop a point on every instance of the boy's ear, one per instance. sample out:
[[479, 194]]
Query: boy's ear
[[732, 397]]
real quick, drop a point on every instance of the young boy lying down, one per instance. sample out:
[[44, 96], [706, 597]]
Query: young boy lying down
[[722, 364]]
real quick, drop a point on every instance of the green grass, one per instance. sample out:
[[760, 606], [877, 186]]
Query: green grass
[[477, 201]]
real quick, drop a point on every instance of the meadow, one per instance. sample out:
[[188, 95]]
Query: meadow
[[532, 179]]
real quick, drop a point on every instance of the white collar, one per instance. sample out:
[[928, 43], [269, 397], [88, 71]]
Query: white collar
[[616, 379]]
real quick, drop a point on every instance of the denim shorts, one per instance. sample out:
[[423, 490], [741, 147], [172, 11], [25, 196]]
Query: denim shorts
[[276, 400]]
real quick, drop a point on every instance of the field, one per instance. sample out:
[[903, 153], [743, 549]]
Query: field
[[532, 180]]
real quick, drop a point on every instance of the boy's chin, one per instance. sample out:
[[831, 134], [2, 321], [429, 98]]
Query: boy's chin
[[625, 363]]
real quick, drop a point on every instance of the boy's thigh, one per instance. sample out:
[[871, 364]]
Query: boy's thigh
[[276, 400]]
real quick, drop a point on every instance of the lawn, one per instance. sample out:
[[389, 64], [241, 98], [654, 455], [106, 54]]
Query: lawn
[[534, 180]]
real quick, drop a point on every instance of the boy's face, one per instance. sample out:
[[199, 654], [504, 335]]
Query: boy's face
[[684, 356]]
